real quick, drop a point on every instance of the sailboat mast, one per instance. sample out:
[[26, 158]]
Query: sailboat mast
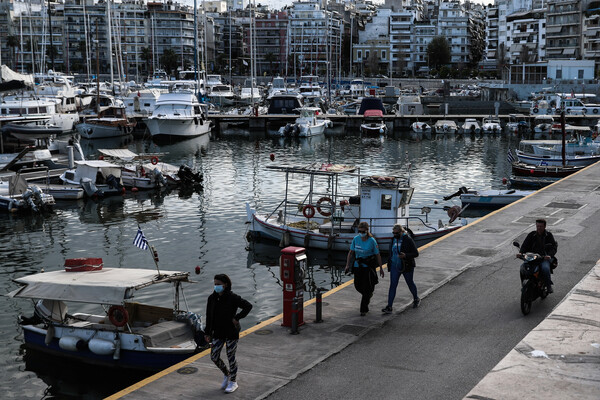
[[97, 69], [108, 18]]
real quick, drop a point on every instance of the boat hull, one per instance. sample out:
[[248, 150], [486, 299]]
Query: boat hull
[[128, 359], [99, 131], [577, 161], [520, 169], [492, 200], [264, 229], [184, 128]]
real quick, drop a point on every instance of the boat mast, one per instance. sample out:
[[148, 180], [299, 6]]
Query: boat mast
[[108, 18], [51, 42], [97, 69]]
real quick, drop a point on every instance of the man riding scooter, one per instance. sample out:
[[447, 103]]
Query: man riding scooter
[[541, 242]]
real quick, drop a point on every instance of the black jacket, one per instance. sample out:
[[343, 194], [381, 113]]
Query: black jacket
[[546, 246], [220, 312], [409, 248]]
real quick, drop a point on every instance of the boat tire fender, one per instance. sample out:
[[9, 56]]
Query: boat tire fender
[[549, 111], [453, 213], [584, 110], [308, 211], [535, 110], [154, 160], [595, 110], [322, 200], [118, 316], [568, 111], [558, 111]]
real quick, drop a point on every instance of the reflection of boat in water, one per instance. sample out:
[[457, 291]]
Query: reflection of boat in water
[[338, 197], [123, 334]]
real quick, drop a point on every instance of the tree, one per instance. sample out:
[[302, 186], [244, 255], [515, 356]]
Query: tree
[[147, 57], [12, 42], [438, 51], [270, 58], [169, 61]]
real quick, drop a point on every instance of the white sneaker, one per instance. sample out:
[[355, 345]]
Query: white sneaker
[[232, 387], [225, 382]]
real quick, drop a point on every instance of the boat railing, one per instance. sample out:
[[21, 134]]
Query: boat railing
[[404, 221]]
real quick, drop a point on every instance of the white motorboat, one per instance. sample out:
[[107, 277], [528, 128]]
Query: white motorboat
[[492, 198], [307, 124], [372, 109], [222, 95], [309, 87], [445, 127], [337, 197], [357, 88], [491, 125], [543, 127], [420, 128], [178, 115], [111, 122], [250, 94], [141, 102], [517, 123], [16, 195], [113, 331], [277, 86], [96, 177], [30, 111], [471, 126]]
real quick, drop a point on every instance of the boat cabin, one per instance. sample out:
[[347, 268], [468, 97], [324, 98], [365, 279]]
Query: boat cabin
[[371, 103], [285, 104], [384, 200]]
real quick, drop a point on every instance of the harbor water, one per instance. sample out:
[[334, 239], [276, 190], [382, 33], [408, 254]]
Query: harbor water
[[208, 228]]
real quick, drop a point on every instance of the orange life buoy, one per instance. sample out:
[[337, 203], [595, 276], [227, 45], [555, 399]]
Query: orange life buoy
[[321, 200], [154, 160], [118, 316], [453, 213], [308, 211]]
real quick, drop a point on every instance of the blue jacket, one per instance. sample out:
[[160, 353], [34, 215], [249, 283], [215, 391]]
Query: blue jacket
[[407, 247]]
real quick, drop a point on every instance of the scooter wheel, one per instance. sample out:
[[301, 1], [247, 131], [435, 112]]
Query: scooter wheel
[[525, 301]]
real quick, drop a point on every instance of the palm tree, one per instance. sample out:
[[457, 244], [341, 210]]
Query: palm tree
[[270, 58], [12, 42], [147, 57]]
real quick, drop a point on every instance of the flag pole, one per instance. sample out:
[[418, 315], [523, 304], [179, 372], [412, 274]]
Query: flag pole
[[152, 250]]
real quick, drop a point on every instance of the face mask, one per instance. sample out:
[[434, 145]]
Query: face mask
[[363, 234], [218, 288]]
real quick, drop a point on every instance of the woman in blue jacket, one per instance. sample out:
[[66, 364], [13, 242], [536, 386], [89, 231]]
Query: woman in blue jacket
[[364, 251], [402, 254]]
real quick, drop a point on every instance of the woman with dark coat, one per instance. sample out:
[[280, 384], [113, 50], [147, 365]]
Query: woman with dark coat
[[402, 254], [223, 327]]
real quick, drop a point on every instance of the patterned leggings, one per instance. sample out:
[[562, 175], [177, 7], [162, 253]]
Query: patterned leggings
[[215, 356]]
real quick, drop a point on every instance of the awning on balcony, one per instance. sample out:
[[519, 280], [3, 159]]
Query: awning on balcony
[[569, 52], [553, 29]]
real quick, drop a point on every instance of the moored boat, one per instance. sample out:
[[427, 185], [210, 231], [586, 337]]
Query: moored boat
[[492, 198]]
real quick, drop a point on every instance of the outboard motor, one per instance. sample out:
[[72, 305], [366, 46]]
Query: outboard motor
[[189, 177], [461, 190], [90, 189], [113, 182], [28, 196], [159, 177]]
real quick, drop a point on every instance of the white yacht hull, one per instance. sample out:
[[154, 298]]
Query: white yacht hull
[[189, 127]]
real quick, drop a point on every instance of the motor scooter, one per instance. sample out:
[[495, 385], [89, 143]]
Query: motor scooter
[[532, 281]]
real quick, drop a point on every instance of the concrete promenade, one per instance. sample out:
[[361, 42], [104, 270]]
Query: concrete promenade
[[324, 357]]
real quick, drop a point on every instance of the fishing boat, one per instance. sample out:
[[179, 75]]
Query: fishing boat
[[557, 160], [549, 171], [110, 122], [336, 199], [492, 198], [118, 332], [96, 177], [445, 127], [307, 124], [531, 182]]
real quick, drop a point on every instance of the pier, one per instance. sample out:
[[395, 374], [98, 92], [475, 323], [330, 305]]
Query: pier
[[353, 122], [468, 337]]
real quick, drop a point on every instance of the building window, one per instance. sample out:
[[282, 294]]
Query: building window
[[367, 54], [580, 74], [359, 54], [559, 74], [383, 56]]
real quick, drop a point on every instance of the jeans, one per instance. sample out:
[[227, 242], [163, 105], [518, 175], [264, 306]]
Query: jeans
[[545, 267], [395, 278]]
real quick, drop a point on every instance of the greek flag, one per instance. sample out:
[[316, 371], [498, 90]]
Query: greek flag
[[510, 157], [140, 240]]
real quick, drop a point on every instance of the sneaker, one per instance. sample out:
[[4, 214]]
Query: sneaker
[[225, 382], [550, 290], [232, 387], [416, 302], [362, 313], [387, 310]]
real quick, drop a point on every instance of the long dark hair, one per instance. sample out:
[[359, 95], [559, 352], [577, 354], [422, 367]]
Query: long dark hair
[[225, 279]]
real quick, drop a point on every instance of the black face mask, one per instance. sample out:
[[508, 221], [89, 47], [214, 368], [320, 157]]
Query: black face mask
[[397, 235]]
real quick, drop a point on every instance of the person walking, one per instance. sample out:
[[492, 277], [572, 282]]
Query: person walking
[[223, 327], [364, 257], [402, 254]]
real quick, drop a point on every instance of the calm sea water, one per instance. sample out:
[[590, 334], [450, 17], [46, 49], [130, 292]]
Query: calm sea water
[[208, 229]]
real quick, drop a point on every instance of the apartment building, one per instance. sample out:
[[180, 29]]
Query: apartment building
[[372, 53], [564, 29], [527, 40]]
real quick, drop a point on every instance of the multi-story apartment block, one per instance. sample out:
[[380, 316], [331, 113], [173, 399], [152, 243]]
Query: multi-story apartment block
[[271, 43], [453, 23], [424, 32], [591, 34], [526, 43], [314, 38], [564, 29], [401, 41], [491, 32], [372, 52]]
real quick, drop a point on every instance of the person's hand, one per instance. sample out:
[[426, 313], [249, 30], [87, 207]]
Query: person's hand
[[346, 269], [207, 338], [519, 255], [547, 257], [402, 255], [236, 323], [381, 271]]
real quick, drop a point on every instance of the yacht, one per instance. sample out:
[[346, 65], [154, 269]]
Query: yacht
[[285, 103], [141, 102], [250, 93], [178, 114], [277, 86], [109, 123], [222, 95], [310, 88], [29, 111]]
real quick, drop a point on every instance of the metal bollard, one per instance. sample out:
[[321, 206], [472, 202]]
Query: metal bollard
[[319, 305], [295, 316]]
